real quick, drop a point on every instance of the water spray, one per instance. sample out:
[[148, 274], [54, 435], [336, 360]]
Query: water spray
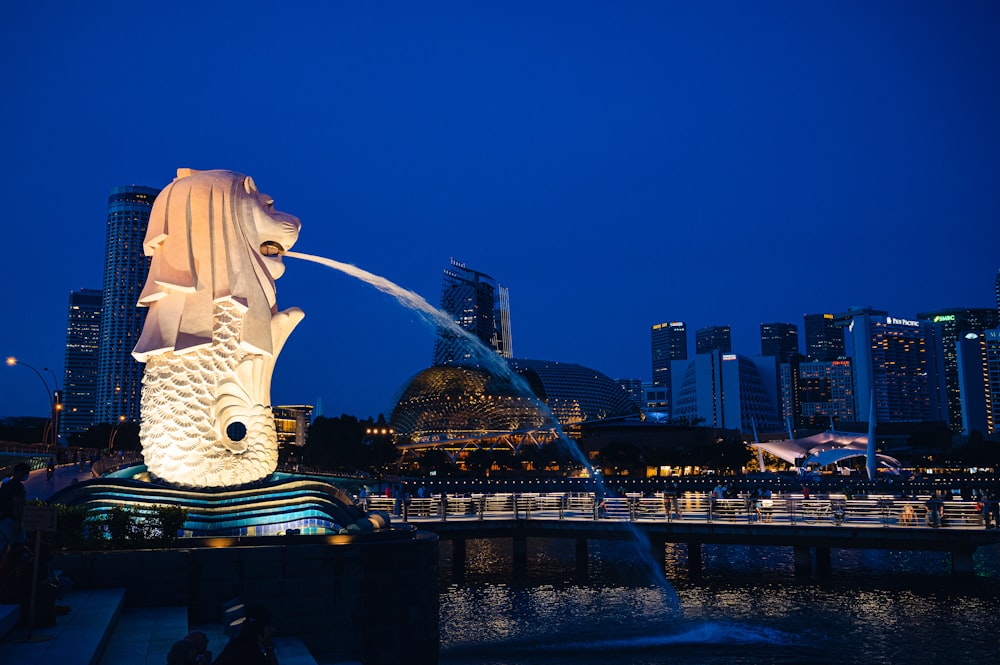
[[488, 359]]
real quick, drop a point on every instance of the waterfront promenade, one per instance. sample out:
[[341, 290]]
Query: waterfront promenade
[[812, 525]]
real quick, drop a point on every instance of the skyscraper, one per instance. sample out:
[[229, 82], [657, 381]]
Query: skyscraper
[[991, 353], [996, 288], [779, 340], [824, 338], [726, 390], [713, 338], [949, 326], [668, 341], [125, 268], [83, 333], [892, 362], [974, 386], [815, 391], [504, 345], [478, 306]]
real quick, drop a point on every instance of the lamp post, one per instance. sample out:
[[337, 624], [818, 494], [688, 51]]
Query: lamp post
[[114, 433], [51, 393]]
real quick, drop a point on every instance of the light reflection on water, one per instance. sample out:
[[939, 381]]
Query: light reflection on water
[[748, 607]]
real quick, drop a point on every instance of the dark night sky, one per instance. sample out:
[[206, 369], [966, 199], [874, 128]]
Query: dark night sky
[[615, 165]]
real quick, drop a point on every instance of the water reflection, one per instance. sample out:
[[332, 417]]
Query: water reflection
[[747, 607]]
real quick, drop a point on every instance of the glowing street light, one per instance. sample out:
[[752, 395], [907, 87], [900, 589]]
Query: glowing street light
[[51, 392], [114, 433]]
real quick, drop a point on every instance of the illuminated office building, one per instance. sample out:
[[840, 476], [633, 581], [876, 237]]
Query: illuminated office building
[[979, 379], [974, 384], [125, 268], [824, 338], [893, 361], [996, 288], [291, 424], [949, 325], [79, 384], [713, 338], [668, 342], [779, 340], [815, 392], [991, 358], [636, 392], [727, 390], [477, 305]]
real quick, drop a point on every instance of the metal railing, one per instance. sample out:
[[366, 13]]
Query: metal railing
[[693, 507]]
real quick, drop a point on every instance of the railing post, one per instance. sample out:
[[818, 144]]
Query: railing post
[[406, 510], [513, 500], [482, 506], [562, 506], [444, 507]]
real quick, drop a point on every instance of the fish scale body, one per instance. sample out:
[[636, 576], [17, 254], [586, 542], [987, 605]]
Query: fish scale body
[[182, 442]]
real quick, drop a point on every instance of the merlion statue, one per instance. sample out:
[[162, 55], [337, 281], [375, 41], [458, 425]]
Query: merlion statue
[[213, 330]]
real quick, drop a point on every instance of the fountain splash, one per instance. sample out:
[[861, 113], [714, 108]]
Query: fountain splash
[[489, 360]]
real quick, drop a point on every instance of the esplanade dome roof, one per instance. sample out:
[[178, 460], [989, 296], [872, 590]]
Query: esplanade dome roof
[[453, 401]]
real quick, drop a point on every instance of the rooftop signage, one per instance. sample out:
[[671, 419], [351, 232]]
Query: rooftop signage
[[902, 322], [944, 317]]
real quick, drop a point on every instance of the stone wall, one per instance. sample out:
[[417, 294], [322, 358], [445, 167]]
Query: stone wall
[[369, 597]]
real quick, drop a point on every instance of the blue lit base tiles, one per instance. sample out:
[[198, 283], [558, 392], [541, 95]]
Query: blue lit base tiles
[[282, 504]]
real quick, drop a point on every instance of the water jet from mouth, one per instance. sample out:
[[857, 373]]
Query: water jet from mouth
[[488, 359]]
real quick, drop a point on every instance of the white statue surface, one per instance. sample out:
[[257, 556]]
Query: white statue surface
[[213, 331]]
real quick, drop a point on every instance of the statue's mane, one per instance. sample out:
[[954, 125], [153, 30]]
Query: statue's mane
[[203, 252]]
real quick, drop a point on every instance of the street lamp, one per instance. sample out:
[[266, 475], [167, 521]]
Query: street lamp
[[114, 433], [51, 393]]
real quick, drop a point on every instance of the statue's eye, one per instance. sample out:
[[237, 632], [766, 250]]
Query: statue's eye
[[269, 202]]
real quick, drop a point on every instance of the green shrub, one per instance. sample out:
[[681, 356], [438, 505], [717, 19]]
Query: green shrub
[[117, 528]]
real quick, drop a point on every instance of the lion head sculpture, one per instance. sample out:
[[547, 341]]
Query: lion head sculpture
[[212, 236], [213, 331]]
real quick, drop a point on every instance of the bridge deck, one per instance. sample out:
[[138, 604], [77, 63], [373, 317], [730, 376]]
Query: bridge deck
[[874, 522]]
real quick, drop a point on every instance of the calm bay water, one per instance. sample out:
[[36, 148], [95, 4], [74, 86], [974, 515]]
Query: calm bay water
[[747, 607]]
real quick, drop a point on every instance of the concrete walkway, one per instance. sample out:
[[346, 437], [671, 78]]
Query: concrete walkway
[[78, 638], [37, 486], [99, 631]]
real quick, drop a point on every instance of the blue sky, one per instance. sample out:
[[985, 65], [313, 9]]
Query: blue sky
[[613, 166]]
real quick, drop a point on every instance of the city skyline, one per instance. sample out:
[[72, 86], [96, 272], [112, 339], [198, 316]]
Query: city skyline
[[613, 167]]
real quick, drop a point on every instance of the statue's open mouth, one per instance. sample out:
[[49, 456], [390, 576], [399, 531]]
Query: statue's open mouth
[[271, 248]]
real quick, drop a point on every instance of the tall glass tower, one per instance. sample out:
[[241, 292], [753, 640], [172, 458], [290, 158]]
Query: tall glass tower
[[780, 340], [893, 363], [996, 287], [668, 342], [125, 269], [713, 338], [824, 337], [477, 305], [83, 334], [950, 325]]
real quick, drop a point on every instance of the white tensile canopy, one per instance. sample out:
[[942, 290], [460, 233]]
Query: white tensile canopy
[[825, 448]]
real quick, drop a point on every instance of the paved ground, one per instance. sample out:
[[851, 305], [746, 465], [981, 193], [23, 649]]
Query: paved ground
[[38, 486]]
